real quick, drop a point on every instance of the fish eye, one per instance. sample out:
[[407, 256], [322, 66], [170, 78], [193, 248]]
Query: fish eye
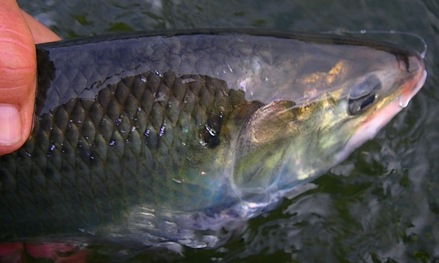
[[363, 95]]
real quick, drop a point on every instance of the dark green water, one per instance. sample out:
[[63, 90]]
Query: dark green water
[[380, 205]]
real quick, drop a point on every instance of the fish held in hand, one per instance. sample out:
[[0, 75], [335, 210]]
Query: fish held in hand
[[158, 139]]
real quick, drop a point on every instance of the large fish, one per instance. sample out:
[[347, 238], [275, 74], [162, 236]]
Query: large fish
[[169, 138]]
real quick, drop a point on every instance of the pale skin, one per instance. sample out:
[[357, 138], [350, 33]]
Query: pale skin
[[19, 33]]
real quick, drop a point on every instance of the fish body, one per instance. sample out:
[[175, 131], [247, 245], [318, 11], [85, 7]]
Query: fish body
[[157, 138]]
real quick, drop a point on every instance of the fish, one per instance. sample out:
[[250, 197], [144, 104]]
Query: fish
[[171, 137]]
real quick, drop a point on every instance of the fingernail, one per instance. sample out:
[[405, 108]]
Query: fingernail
[[10, 125]]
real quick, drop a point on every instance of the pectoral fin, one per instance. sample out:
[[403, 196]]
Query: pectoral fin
[[261, 146]]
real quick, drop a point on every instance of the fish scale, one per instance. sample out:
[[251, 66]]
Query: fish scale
[[106, 152]]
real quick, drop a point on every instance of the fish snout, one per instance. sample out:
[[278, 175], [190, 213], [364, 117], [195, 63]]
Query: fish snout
[[415, 68]]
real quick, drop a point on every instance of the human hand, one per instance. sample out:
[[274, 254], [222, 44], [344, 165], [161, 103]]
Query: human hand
[[19, 33]]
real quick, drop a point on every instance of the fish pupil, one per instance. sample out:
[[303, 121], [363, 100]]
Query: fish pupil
[[356, 106], [363, 95], [367, 101]]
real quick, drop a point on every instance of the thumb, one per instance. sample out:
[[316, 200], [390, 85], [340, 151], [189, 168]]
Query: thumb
[[17, 77]]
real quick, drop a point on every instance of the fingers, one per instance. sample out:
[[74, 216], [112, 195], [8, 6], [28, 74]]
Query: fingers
[[40, 33], [17, 73], [18, 34]]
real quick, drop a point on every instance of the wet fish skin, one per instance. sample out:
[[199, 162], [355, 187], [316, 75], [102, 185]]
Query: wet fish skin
[[100, 156], [136, 137]]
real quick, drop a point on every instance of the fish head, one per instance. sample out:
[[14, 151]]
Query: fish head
[[285, 143], [370, 102]]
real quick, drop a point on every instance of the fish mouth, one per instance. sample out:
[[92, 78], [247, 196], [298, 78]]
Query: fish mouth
[[412, 85], [370, 126]]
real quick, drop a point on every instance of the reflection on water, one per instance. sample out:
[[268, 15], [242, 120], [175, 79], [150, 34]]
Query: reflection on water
[[381, 205]]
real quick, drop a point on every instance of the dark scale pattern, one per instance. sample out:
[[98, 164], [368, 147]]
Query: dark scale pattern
[[141, 141]]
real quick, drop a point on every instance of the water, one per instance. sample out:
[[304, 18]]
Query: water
[[380, 205]]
